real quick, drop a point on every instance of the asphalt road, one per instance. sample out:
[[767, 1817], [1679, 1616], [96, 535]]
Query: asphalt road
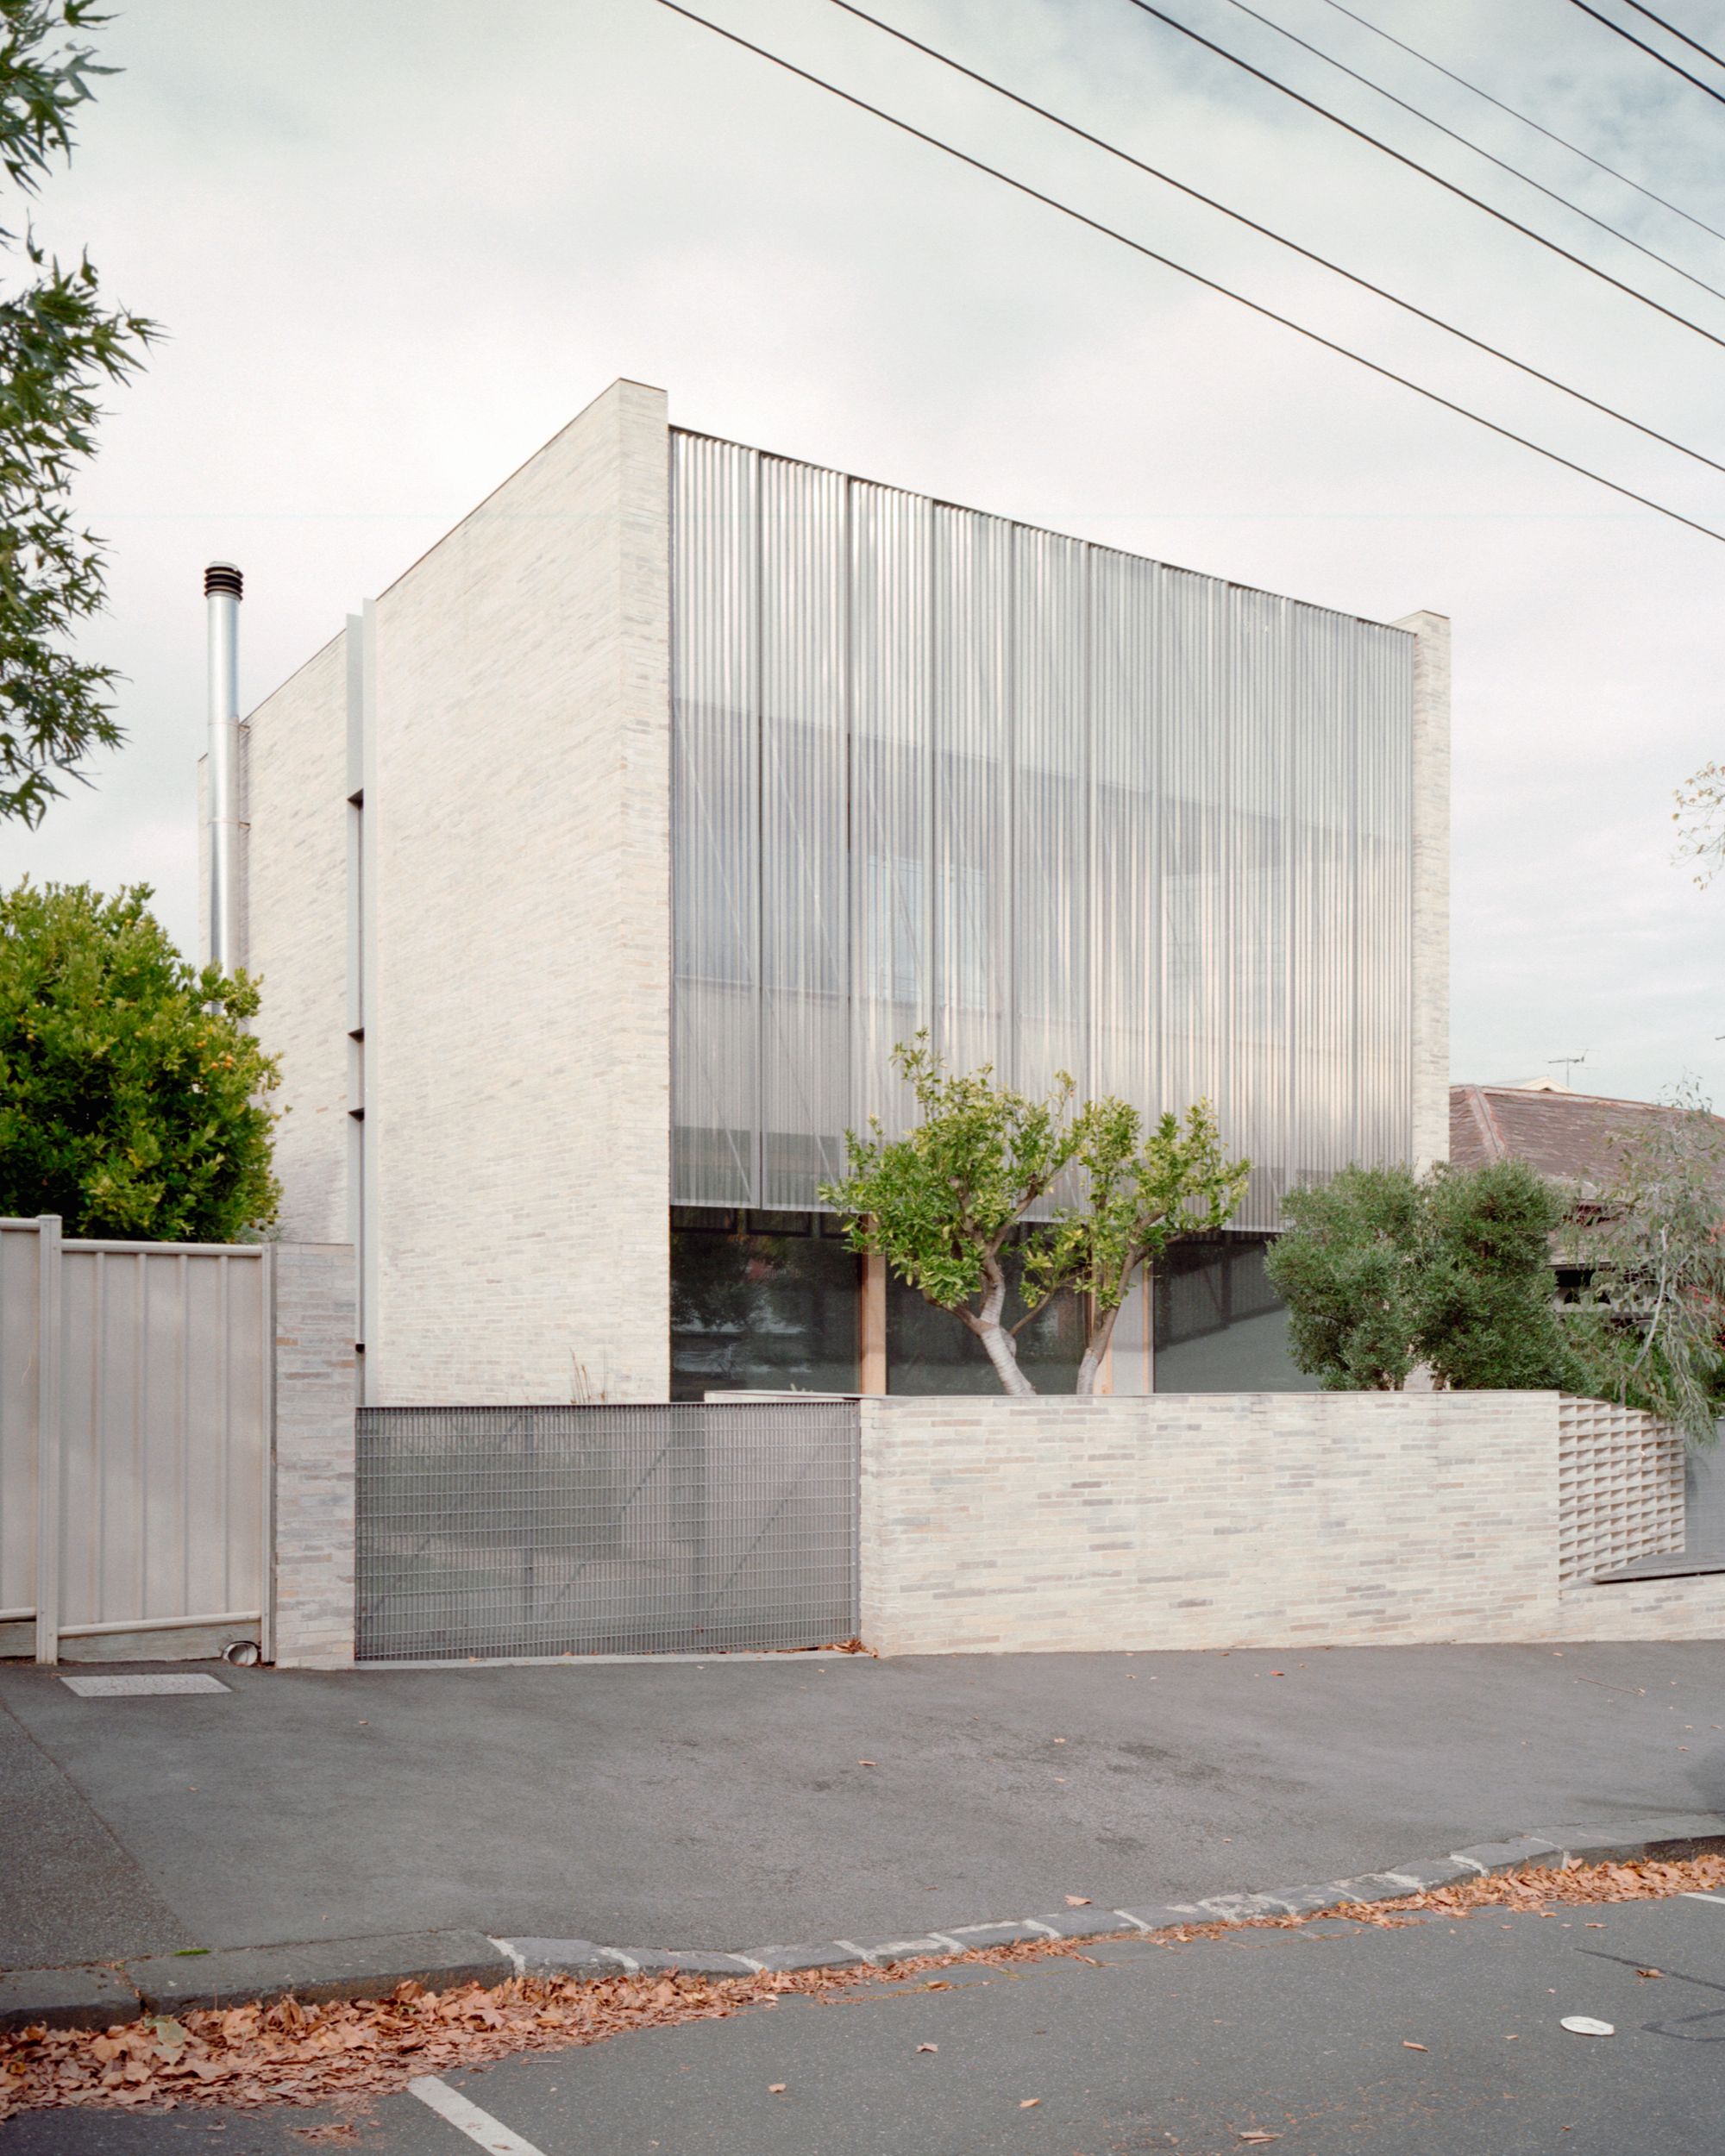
[[1303, 2034], [725, 1804]]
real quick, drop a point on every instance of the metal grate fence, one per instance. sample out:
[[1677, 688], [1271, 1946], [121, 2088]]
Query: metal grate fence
[[639, 1529]]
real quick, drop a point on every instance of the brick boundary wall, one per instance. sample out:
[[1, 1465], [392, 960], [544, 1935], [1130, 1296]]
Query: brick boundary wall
[[1198, 1521], [315, 1403]]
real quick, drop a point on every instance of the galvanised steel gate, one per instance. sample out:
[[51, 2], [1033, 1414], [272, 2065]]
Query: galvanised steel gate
[[655, 1528]]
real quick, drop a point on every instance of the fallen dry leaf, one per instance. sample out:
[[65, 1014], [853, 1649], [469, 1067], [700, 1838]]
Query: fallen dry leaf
[[868, 1762], [928, 2047], [1650, 1972], [246, 2057], [1406, 2046], [1029, 2103], [776, 2088], [1077, 1901]]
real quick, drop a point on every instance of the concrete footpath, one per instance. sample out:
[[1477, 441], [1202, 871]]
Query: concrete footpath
[[692, 1805]]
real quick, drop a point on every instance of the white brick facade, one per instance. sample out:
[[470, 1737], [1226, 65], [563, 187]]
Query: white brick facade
[[517, 954], [314, 1456], [517, 1018], [1431, 932], [293, 930], [1237, 1519]]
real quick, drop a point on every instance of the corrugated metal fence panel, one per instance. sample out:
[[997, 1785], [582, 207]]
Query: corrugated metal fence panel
[[165, 1433], [20, 1437], [638, 1529]]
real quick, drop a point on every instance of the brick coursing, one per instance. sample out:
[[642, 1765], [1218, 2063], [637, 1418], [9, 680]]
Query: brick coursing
[[518, 1009], [314, 1455], [294, 930], [1230, 1519]]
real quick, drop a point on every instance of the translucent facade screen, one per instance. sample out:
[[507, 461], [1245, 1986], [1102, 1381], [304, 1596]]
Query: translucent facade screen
[[1065, 808]]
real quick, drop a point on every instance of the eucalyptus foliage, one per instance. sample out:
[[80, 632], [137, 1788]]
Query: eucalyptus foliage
[[1650, 1329], [130, 1089], [948, 1203], [59, 345], [1385, 1272]]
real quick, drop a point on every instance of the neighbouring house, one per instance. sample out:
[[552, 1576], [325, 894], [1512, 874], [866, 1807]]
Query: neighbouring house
[[594, 868], [1567, 1136]]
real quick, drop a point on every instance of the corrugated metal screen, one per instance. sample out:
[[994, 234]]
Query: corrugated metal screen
[[1064, 806], [632, 1529], [136, 1417]]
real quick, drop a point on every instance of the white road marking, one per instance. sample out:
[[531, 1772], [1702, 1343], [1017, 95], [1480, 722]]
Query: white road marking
[[467, 2118], [1719, 1898]]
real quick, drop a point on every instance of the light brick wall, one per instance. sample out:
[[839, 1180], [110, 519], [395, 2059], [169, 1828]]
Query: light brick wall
[[294, 930], [1431, 932], [314, 1456], [518, 1006], [1224, 1521]]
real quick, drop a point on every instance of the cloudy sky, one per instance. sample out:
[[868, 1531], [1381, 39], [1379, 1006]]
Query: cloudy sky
[[396, 243]]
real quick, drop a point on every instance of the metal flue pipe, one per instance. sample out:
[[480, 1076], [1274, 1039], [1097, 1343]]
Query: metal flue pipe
[[223, 588]]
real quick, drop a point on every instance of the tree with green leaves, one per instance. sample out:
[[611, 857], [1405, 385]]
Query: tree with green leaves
[[1141, 1191], [1385, 1272], [942, 1204], [58, 346], [131, 1092], [1347, 1267], [948, 1204], [1650, 1328]]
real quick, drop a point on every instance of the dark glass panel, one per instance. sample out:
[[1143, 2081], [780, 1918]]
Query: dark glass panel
[[1220, 1326], [752, 1312], [931, 1351]]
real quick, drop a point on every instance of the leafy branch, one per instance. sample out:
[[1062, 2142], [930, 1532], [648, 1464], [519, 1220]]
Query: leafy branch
[[59, 347]]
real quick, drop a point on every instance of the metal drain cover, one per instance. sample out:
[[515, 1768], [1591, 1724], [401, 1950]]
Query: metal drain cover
[[132, 1687]]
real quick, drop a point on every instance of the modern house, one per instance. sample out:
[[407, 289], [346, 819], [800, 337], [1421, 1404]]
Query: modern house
[[593, 870]]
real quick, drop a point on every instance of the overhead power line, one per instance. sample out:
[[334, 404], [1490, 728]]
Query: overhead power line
[[1268, 232], [1502, 164], [1682, 36], [1527, 120], [1196, 277], [1664, 59], [1412, 164]]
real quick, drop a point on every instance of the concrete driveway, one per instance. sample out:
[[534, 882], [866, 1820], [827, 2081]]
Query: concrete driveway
[[727, 1803]]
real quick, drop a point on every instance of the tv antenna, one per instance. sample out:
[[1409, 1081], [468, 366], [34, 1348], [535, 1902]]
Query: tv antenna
[[1568, 1064]]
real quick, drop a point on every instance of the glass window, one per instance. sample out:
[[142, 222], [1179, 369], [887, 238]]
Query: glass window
[[1220, 1326], [931, 1351], [768, 1305]]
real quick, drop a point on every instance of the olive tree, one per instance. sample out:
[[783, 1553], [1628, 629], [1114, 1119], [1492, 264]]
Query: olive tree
[[1385, 1272]]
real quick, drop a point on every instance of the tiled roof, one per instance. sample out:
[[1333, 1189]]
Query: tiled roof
[[1566, 1136]]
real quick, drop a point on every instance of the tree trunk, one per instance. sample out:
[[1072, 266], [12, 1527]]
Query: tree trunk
[[1096, 1350], [998, 1344]]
